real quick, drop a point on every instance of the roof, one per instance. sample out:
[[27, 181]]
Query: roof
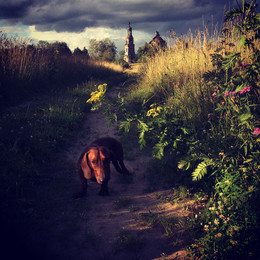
[[158, 40]]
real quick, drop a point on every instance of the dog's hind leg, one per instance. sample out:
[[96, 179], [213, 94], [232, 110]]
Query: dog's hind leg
[[116, 165], [124, 169]]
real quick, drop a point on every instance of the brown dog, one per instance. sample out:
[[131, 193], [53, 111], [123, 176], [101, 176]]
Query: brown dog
[[94, 163]]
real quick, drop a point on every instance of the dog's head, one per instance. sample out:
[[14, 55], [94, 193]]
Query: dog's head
[[96, 163]]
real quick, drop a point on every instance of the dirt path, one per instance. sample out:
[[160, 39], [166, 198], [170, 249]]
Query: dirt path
[[112, 224], [119, 226]]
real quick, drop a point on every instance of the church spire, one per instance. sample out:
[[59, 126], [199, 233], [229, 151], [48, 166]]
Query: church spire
[[129, 46]]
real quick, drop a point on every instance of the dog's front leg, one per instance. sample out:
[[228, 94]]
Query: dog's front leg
[[104, 189]]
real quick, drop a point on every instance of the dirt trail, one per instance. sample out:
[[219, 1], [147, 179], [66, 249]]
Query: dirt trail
[[109, 226], [95, 227]]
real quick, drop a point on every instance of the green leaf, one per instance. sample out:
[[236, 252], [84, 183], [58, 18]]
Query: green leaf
[[183, 165], [201, 170], [125, 125], [257, 17], [142, 141], [158, 151], [242, 41], [230, 60], [244, 117]]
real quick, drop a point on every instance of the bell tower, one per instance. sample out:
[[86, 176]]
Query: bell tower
[[129, 46]]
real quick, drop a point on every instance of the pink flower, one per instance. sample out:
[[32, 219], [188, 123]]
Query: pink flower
[[233, 93], [244, 90], [244, 65], [256, 131], [227, 93]]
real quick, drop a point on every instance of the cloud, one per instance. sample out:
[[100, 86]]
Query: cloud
[[81, 40], [76, 15], [77, 21]]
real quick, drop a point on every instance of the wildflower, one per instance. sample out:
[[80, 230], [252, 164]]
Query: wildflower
[[256, 131], [216, 222], [96, 96], [206, 228], [218, 235], [154, 111], [227, 93], [214, 95], [222, 154], [244, 90], [236, 228], [221, 216], [233, 242], [244, 65], [251, 188]]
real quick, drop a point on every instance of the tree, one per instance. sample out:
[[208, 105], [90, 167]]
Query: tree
[[81, 53], [61, 47], [57, 47], [144, 52], [103, 49]]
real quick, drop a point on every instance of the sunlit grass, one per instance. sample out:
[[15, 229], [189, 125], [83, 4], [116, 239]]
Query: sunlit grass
[[176, 76], [26, 69]]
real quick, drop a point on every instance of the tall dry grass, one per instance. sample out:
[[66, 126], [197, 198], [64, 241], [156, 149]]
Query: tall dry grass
[[175, 76], [26, 69]]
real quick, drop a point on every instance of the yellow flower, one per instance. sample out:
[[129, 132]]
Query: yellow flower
[[206, 228], [96, 96], [218, 235], [102, 88], [233, 242], [154, 111], [216, 222]]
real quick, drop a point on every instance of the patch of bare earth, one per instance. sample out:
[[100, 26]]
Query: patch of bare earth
[[112, 227]]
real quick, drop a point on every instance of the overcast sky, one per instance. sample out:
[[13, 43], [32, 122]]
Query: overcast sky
[[78, 21]]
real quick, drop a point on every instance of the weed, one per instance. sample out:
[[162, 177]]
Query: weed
[[149, 218]]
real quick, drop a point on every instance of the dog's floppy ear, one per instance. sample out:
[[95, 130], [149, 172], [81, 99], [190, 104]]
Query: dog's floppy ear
[[85, 167]]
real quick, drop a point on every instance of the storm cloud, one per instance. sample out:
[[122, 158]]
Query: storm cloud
[[145, 15]]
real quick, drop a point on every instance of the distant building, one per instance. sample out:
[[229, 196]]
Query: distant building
[[158, 41], [129, 46]]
